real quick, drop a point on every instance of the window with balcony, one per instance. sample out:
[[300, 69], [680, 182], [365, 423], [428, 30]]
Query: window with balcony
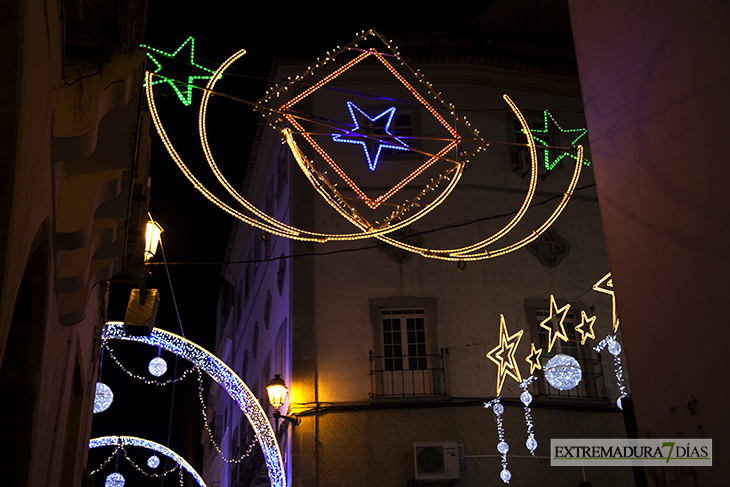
[[406, 361]]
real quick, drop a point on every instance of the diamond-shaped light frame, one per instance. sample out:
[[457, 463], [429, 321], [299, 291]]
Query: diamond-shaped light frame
[[286, 111]]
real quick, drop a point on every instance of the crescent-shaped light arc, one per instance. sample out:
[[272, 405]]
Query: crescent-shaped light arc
[[189, 175], [510, 248], [226, 378], [202, 130], [367, 231], [151, 445]]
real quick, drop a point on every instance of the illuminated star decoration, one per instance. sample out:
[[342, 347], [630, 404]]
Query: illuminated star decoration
[[585, 320], [547, 323], [536, 133], [509, 365], [605, 285], [368, 142], [534, 358], [186, 95]]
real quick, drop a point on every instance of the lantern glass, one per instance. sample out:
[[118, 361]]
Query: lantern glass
[[277, 391], [152, 234]]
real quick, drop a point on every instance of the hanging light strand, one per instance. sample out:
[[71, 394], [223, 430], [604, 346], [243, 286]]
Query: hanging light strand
[[217, 447], [103, 464], [526, 399], [105, 344], [502, 446], [140, 469]]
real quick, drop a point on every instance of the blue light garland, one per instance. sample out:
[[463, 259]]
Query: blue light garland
[[134, 441], [362, 139], [226, 378]]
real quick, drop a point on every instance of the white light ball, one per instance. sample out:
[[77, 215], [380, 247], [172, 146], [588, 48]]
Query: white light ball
[[531, 443], [114, 480], [157, 366], [614, 347], [505, 476], [526, 398], [103, 397], [498, 409], [502, 447], [153, 461], [563, 372], [618, 403]]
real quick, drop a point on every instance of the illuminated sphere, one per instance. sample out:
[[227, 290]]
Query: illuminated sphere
[[614, 347], [526, 398], [505, 475], [114, 480], [563, 372], [502, 447], [153, 461], [498, 409], [103, 397], [157, 366], [531, 443]]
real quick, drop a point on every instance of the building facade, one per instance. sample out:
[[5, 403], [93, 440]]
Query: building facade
[[74, 189], [383, 351]]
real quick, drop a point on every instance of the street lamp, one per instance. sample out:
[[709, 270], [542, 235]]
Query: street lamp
[[152, 233], [277, 392]]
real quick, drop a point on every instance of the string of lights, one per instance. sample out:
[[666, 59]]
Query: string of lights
[[105, 344], [226, 378], [211, 436], [502, 446], [141, 470], [119, 442]]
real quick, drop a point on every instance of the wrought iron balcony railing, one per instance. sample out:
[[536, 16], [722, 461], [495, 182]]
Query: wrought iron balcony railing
[[406, 375]]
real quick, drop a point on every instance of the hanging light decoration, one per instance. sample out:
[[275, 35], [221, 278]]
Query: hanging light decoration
[[614, 348], [502, 446], [157, 366], [103, 397], [153, 461], [526, 399], [563, 372], [114, 480]]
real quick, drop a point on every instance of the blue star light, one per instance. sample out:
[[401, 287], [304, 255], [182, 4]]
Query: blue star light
[[367, 142]]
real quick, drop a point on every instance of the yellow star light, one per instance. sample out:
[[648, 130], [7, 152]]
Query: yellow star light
[[560, 333], [584, 320], [605, 285], [534, 358], [507, 344]]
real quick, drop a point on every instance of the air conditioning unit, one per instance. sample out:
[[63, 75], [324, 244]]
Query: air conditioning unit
[[436, 460]]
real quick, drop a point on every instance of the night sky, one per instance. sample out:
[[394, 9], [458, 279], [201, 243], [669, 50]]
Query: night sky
[[196, 231]]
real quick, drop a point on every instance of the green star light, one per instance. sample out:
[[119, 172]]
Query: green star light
[[186, 95], [550, 165]]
